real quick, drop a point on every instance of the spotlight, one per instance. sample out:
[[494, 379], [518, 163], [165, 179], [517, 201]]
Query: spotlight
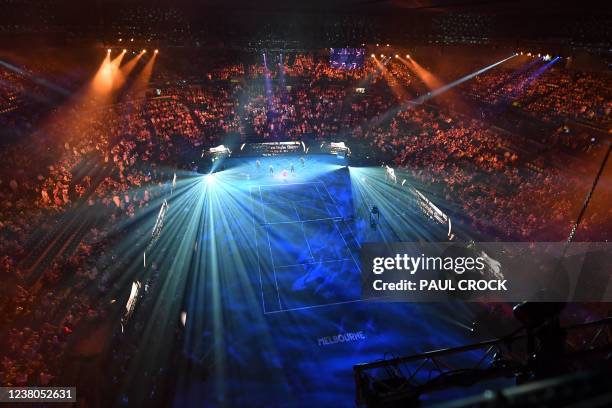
[[156, 51], [387, 45], [373, 56], [396, 56], [382, 55], [209, 179], [131, 40], [124, 50], [144, 51], [377, 44], [108, 51], [407, 55], [121, 39]]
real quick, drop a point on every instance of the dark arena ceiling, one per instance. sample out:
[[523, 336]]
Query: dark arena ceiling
[[91, 11], [376, 20]]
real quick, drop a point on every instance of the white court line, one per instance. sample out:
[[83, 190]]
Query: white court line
[[314, 263], [302, 222], [351, 232], [330, 196], [292, 184], [263, 301], [353, 236], [332, 200], [289, 184], [324, 304], [329, 304], [339, 232], [348, 247], [304, 234], [272, 260]]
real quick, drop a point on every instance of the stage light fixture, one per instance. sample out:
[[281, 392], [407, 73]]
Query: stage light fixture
[[144, 51], [108, 51], [382, 55], [407, 55], [373, 56], [156, 51], [124, 50], [131, 40], [396, 56]]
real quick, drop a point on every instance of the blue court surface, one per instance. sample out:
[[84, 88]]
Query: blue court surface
[[307, 254], [278, 279]]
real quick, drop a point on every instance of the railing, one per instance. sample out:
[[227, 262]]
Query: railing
[[401, 386]]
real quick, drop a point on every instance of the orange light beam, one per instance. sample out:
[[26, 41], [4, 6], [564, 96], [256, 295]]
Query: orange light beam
[[139, 88], [130, 65], [396, 88], [432, 81]]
